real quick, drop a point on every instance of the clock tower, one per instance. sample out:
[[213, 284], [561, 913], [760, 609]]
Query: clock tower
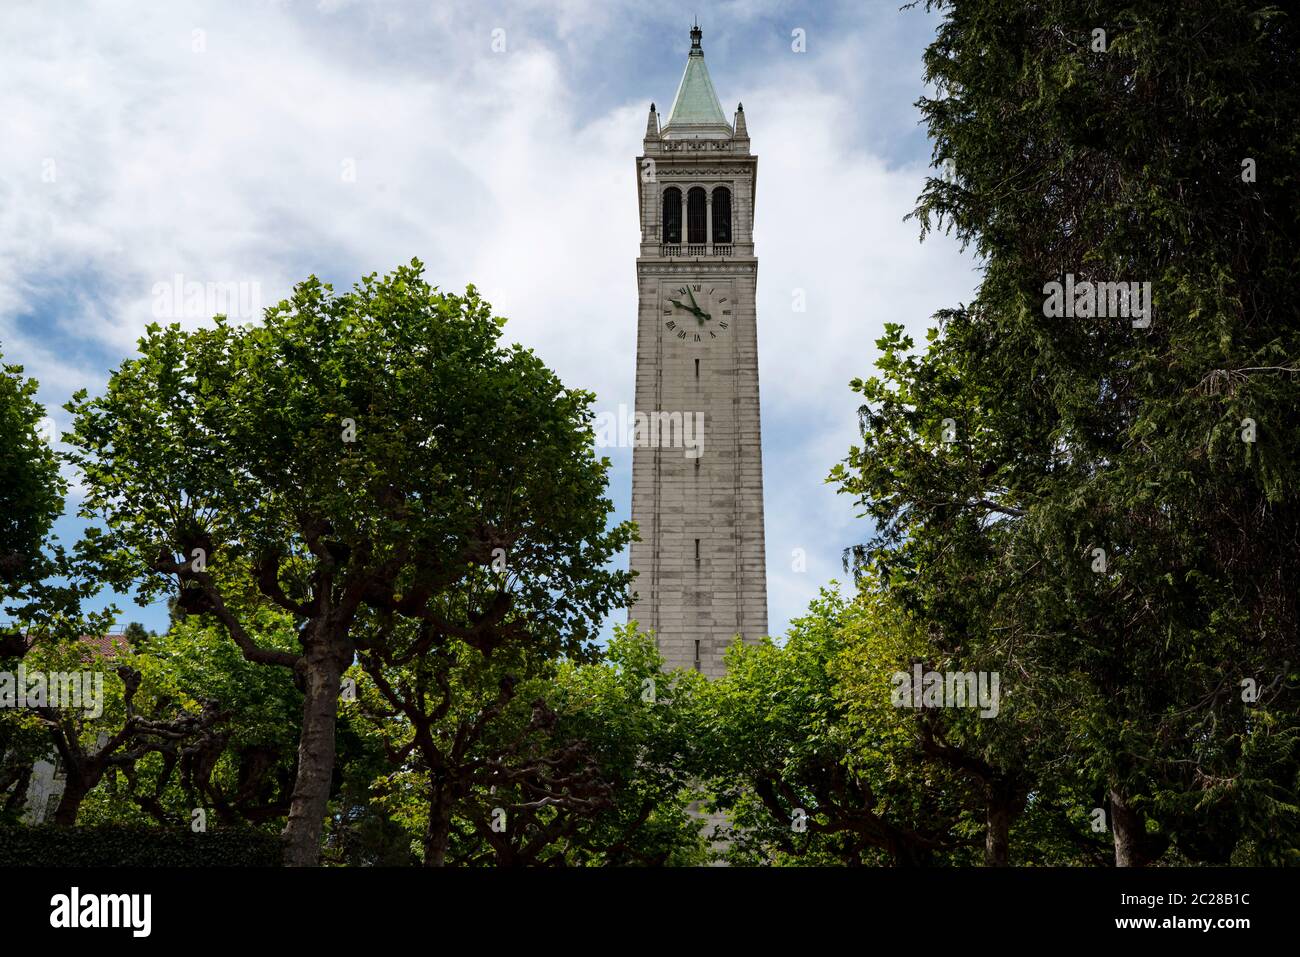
[[697, 466]]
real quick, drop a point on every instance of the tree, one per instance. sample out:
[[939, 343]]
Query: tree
[[517, 760], [136, 634], [463, 743], [31, 489], [31, 499], [355, 459], [640, 724], [41, 584], [22, 743], [999, 757], [241, 770], [811, 772], [110, 723], [1109, 500]]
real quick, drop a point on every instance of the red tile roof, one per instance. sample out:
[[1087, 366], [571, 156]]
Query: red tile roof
[[101, 646], [107, 646]]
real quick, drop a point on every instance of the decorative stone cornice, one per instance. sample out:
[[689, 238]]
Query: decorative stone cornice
[[663, 267], [695, 172]]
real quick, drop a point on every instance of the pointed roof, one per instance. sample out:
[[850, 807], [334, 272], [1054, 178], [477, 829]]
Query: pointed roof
[[696, 110], [652, 124]]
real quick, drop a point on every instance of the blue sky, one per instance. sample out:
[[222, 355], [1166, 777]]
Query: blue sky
[[257, 143]]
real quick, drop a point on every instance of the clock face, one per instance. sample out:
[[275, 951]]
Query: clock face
[[697, 311]]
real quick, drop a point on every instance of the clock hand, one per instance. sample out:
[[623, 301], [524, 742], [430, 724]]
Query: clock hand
[[693, 310]]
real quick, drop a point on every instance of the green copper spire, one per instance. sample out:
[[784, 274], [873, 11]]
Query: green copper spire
[[696, 110]]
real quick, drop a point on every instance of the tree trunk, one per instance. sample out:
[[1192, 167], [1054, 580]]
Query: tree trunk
[[20, 781], [65, 815], [1129, 828], [311, 791], [437, 834], [1004, 802], [999, 813]]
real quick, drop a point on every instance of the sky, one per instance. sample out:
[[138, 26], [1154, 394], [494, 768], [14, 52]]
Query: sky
[[257, 143]]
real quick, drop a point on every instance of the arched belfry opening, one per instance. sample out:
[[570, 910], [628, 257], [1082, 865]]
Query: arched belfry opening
[[672, 218], [697, 216], [721, 215]]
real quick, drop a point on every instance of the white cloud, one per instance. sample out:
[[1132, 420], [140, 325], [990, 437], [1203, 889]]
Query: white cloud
[[225, 165]]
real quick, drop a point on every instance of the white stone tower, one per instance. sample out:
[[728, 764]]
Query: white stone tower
[[701, 577]]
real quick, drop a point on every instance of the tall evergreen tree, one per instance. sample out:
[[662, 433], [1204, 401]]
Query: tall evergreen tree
[[1108, 503]]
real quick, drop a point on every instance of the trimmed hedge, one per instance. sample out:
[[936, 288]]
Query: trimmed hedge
[[136, 846]]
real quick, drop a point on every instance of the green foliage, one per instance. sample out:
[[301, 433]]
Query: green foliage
[[577, 762], [120, 720], [239, 438], [240, 772], [790, 729], [31, 499], [31, 489], [639, 724]]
